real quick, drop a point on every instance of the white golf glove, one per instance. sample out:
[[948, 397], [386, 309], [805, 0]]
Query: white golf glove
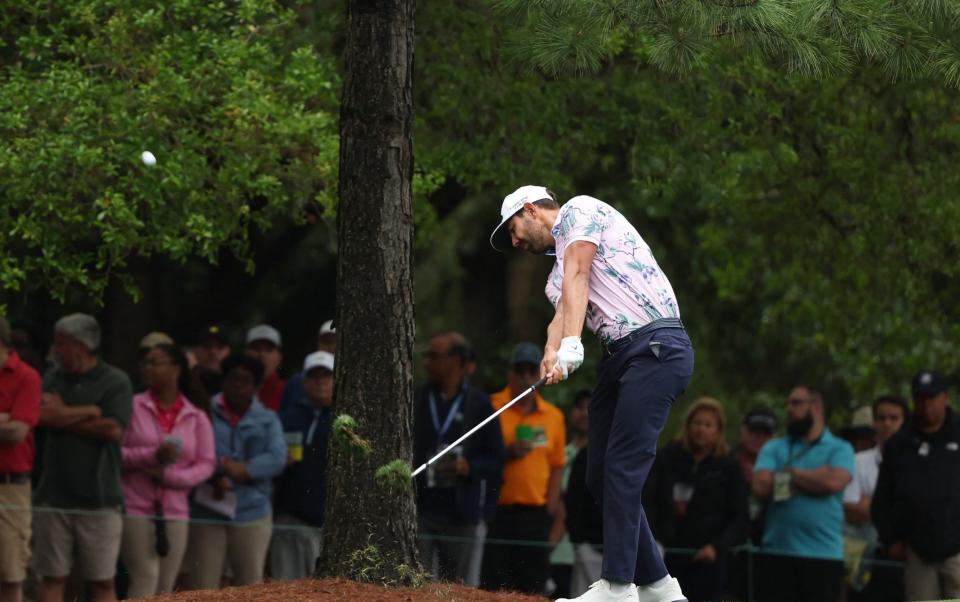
[[570, 355]]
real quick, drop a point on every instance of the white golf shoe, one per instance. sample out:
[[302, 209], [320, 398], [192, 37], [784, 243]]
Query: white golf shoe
[[668, 592], [600, 592]]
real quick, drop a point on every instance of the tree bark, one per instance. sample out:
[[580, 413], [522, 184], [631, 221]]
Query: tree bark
[[370, 532]]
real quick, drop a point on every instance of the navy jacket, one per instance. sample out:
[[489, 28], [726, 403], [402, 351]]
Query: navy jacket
[[469, 499], [302, 488]]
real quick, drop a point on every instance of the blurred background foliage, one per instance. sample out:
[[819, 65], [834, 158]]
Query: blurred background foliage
[[807, 223]]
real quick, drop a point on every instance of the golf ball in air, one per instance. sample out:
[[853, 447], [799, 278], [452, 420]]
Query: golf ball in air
[[148, 158]]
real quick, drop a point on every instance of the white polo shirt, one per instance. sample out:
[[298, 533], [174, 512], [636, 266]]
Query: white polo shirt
[[866, 469]]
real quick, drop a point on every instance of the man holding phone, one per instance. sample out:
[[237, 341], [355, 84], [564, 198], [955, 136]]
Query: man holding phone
[[20, 392], [535, 438]]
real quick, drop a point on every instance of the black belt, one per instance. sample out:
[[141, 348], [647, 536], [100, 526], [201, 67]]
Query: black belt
[[624, 341], [14, 478]]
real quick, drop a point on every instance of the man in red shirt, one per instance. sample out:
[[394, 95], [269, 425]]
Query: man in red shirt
[[20, 392]]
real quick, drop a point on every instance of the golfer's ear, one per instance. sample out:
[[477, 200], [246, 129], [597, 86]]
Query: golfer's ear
[[529, 209]]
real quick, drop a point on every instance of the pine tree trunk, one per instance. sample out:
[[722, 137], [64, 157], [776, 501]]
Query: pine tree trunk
[[370, 531]]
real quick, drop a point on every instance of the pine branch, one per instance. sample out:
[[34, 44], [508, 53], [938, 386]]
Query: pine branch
[[945, 60], [907, 60], [677, 51], [814, 38]]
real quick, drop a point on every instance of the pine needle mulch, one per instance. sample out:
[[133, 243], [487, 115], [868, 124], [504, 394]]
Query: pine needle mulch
[[328, 590]]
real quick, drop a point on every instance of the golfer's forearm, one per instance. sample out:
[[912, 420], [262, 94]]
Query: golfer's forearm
[[555, 329], [576, 284], [574, 303]]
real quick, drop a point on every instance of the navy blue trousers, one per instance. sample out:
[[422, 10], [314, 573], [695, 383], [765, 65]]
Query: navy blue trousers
[[629, 408]]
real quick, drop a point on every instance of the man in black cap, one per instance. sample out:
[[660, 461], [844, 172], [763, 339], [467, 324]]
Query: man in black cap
[[212, 346], [756, 429], [916, 506]]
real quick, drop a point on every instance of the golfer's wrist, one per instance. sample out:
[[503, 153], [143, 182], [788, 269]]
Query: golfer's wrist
[[570, 343]]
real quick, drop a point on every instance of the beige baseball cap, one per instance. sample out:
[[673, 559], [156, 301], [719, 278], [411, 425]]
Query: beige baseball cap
[[152, 339]]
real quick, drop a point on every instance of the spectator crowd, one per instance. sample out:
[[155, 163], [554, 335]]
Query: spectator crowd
[[207, 467]]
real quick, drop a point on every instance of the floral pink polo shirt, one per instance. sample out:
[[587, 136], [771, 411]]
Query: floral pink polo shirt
[[627, 287]]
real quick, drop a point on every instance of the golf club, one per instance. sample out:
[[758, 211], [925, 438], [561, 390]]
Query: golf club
[[463, 437]]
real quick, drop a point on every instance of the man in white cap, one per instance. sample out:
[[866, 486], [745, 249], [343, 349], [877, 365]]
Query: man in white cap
[[265, 344], [606, 275], [327, 337], [326, 341], [301, 489]]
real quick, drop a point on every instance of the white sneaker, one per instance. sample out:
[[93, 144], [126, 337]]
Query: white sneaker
[[600, 592], [668, 592]]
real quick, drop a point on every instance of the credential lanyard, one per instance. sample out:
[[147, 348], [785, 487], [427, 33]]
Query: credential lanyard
[[791, 459], [454, 406]]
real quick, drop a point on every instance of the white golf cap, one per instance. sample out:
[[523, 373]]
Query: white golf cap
[[318, 359], [513, 202], [327, 328], [264, 332]]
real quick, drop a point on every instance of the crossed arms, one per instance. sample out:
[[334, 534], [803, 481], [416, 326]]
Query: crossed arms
[[824, 480], [86, 420]]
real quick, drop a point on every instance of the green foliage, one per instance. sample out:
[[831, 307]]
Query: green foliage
[[345, 433], [394, 476], [242, 121], [814, 38], [821, 212], [806, 225]]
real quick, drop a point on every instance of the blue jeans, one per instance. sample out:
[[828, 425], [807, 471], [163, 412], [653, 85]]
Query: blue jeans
[[636, 387]]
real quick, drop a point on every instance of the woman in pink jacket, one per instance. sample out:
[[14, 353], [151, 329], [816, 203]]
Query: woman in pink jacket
[[168, 449]]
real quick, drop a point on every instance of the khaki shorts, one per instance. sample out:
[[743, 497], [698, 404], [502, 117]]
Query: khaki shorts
[[14, 531], [94, 534]]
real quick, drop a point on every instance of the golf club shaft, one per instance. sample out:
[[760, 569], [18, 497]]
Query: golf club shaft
[[463, 437]]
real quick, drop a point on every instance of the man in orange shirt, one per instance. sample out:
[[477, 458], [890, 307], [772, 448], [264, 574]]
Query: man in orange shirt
[[534, 436]]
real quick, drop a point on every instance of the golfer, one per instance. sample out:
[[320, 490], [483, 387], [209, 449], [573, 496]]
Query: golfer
[[606, 274]]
